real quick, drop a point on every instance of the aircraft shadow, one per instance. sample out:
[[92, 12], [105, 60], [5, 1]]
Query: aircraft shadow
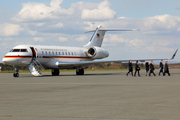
[[91, 74]]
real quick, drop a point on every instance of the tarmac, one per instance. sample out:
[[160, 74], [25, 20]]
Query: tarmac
[[98, 95]]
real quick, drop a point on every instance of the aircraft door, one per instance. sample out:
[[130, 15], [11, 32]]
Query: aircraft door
[[34, 54]]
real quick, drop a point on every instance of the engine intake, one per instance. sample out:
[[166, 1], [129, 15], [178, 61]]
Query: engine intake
[[97, 53], [91, 52]]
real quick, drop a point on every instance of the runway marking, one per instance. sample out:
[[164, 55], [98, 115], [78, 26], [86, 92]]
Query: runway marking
[[90, 83]]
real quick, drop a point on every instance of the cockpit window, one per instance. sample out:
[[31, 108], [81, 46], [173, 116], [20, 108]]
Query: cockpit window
[[16, 50], [19, 50], [24, 50]]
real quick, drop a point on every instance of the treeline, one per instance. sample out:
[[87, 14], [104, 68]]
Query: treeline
[[5, 67]]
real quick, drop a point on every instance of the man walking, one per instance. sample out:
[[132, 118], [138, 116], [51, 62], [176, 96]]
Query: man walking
[[152, 69], [147, 67], [161, 67], [166, 69], [130, 68], [137, 69]]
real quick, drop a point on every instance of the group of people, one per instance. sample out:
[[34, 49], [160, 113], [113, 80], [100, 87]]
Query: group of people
[[149, 68]]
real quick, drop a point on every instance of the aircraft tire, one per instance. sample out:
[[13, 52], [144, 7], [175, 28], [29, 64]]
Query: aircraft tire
[[16, 74], [55, 72], [80, 72]]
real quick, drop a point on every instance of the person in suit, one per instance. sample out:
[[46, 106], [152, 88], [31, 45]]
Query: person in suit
[[166, 69], [147, 67], [130, 68], [161, 67], [152, 69], [137, 69]]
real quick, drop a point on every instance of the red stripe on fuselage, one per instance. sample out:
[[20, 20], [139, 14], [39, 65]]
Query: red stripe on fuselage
[[17, 56], [54, 57]]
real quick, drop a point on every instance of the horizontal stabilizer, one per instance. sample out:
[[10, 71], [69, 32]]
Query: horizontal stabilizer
[[113, 29], [99, 33]]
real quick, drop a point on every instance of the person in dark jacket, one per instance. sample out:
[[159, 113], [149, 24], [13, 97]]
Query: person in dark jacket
[[130, 68], [147, 67], [161, 67], [152, 69], [166, 69], [137, 69]]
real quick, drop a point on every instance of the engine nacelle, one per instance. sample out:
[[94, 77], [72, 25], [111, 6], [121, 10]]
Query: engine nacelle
[[97, 53]]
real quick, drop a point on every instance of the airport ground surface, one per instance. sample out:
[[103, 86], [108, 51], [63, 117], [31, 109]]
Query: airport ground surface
[[104, 95]]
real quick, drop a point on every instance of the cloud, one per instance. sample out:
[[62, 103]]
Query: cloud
[[81, 38], [159, 49], [58, 25], [62, 39], [136, 43], [33, 11], [177, 8], [161, 23], [38, 39], [103, 12], [8, 29], [178, 29], [115, 38], [33, 33]]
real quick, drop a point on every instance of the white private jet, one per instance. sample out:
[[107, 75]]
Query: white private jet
[[58, 57]]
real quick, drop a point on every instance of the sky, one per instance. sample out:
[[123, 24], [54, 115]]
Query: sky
[[64, 23]]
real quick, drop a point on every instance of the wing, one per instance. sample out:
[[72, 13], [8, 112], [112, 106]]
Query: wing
[[85, 63]]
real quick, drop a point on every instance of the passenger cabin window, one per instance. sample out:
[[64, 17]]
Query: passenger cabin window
[[56, 53], [59, 53], [71, 53], [62, 53], [66, 53], [52, 53], [42, 52], [49, 53], [46, 52]]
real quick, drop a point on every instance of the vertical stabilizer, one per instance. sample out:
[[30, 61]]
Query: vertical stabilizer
[[97, 38]]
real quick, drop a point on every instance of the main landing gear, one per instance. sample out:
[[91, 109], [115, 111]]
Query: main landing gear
[[16, 72], [80, 71], [55, 72]]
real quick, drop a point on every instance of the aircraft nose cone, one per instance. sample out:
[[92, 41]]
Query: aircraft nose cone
[[9, 61], [3, 60]]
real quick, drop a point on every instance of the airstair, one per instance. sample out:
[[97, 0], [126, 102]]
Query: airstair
[[34, 66]]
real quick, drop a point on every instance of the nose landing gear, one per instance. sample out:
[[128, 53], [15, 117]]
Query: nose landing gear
[[16, 71], [16, 74]]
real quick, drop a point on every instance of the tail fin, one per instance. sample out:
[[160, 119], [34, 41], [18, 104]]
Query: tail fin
[[98, 36]]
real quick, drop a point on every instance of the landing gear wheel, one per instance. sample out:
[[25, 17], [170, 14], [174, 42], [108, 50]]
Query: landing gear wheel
[[80, 72], [16, 71], [55, 72], [16, 74]]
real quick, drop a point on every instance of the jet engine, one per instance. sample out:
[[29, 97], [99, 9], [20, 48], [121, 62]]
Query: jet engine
[[97, 53]]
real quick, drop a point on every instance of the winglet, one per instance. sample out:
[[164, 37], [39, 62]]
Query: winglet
[[174, 54]]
